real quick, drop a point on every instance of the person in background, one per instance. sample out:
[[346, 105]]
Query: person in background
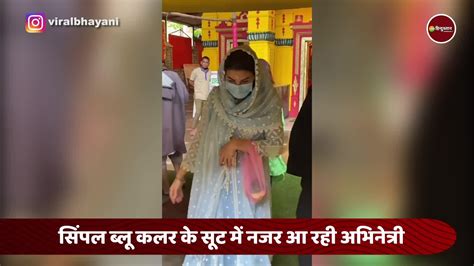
[[200, 81], [174, 96]]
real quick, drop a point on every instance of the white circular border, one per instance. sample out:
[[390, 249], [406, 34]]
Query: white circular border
[[428, 32]]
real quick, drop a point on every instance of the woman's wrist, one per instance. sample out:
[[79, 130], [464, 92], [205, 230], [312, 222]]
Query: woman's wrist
[[180, 175], [243, 145], [181, 180]]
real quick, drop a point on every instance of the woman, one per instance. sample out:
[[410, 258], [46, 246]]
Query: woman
[[242, 114]]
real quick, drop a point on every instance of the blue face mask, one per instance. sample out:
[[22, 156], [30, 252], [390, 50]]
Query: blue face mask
[[239, 91]]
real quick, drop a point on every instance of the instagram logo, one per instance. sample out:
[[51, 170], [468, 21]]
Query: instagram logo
[[35, 22]]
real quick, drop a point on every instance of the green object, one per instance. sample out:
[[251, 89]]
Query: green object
[[285, 195], [285, 260], [277, 178], [214, 79], [277, 166], [286, 191]]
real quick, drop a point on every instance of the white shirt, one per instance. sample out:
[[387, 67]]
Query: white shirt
[[201, 83]]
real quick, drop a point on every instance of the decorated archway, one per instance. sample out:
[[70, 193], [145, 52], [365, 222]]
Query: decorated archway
[[224, 29], [302, 50]]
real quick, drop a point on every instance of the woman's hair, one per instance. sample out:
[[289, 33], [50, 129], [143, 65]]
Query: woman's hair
[[239, 60]]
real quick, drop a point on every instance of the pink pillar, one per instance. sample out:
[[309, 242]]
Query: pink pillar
[[234, 31]]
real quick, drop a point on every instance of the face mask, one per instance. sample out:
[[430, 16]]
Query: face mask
[[239, 91]]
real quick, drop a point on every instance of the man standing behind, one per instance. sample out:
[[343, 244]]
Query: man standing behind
[[200, 81]]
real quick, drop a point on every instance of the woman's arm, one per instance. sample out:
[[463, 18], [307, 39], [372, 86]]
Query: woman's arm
[[180, 175], [176, 189], [243, 145], [229, 150]]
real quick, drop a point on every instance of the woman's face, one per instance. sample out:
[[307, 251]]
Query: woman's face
[[239, 77]]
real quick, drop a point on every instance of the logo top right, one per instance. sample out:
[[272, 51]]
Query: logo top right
[[441, 28]]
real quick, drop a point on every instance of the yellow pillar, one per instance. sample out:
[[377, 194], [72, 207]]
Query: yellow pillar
[[261, 34], [283, 67], [210, 40]]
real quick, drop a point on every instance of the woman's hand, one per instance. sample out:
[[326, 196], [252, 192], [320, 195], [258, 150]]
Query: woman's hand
[[229, 150], [227, 154], [243, 145], [176, 189]]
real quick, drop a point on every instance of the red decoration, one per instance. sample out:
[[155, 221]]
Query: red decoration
[[163, 41], [258, 22], [283, 31], [198, 45], [208, 23], [283, 18], [209, 34], [243, 15], [225, 33], [298, 34]]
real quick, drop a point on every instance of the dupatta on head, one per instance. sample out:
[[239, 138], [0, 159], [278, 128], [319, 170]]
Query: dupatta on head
[[258, 115], [260, 110]]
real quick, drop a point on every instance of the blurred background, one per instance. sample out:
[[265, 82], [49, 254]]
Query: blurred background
[[390, 119], [81, 118], [81, 114]]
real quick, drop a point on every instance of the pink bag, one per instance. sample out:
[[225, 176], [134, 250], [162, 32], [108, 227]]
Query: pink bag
[[254, 178]]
